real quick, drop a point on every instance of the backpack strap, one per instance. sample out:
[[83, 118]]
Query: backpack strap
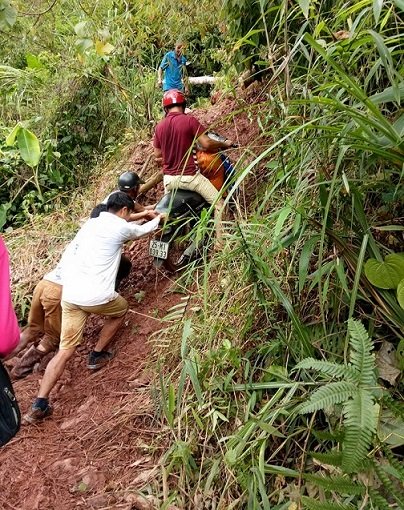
[[10, 416]]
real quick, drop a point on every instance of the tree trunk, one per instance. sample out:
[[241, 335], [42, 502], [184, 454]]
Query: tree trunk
[[201, 80], [151, 183]]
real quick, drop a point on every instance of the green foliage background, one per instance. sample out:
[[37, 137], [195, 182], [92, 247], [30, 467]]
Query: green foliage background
[[82, 77], [274, 391]]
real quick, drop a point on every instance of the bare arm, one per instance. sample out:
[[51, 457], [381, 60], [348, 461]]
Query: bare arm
[[139, 208], [211, 145], [145, 214], [134, 231], [158, 156], [159, 77]]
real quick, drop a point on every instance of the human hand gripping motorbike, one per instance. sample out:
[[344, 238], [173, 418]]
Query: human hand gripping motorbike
[[176, 244]]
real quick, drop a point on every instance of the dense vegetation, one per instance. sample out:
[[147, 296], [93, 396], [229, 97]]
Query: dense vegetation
[[285, 388], [76, 80]]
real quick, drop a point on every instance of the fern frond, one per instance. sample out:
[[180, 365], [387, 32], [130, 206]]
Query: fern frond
[[346, 372], [339, 484], [177, 312], [329, 458], [361, 417], [378, 500], [361, 357], [313, 504], [396, 407], [389, 486], [326, 435], [332, 393], [397, 465]]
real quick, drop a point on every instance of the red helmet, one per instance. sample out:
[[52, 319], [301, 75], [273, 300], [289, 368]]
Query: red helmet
[[173, 97]]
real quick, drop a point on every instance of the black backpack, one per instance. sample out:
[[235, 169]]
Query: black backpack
[[10, 416]]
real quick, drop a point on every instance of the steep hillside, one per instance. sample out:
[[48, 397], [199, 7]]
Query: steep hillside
[[99, 446]]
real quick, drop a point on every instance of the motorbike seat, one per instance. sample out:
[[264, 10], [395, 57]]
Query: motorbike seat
[[180, 201]]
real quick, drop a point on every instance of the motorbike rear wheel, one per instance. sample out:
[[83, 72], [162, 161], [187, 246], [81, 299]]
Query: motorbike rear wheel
[[177, 259]]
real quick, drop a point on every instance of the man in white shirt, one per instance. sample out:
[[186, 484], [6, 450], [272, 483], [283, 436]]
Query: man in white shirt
[[129, 182], [89, 287]]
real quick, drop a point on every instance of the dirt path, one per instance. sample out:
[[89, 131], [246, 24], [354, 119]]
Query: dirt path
[[96, 443]]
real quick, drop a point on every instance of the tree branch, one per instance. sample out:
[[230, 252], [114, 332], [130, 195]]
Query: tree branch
[[38, 13]]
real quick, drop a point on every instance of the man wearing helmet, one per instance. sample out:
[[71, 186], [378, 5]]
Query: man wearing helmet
[[129, 182], [174, 139], [173, 65]]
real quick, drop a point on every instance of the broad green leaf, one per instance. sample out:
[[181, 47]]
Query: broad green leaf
[[399, 125], [391, 429], [8, 15], [377, 9], [280, 470], [81, 29], [3, 213], [33, 61], [12, 136], [83, 45], [271, 430], [231, 457], [186, 332], [283, 215], [384, 51], [318, 29], [399, 4], [340, 269], [400, 293], [387, 274], [103, 48], [388, 95], [304, 6], [28, 145], [387, 61], [191, 371]]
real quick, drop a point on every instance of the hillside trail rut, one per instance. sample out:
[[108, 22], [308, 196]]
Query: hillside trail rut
[[98, 439], [98, 446]]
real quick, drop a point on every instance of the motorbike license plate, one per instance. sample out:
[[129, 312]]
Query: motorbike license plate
[[158, 249]]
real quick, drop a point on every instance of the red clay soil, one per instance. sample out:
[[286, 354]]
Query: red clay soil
[[95, 445], [90, 453]]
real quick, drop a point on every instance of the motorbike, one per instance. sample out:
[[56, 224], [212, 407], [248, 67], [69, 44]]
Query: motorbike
[[174, 246]]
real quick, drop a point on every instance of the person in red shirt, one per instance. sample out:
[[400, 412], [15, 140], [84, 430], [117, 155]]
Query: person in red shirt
[[174, 140], [9, 330]]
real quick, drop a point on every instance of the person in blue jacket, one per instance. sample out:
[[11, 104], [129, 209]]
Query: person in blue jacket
[[173, 65]]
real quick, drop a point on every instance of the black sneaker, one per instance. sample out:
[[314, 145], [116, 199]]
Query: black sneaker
[[36, 414], [97, 360]]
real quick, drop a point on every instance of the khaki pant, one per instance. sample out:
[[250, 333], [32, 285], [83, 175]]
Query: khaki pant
[[45, 314], [196, 182], [74, 319]]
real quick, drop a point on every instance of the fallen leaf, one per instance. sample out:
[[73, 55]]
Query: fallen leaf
[[386, 363]]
